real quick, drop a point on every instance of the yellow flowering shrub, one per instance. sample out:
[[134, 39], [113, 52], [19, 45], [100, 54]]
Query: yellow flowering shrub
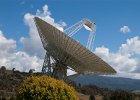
[[45, 88]]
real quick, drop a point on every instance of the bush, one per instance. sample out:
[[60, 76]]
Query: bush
[[45, 88], [3, 98], [91, 97], [12, 98], [121, 95]]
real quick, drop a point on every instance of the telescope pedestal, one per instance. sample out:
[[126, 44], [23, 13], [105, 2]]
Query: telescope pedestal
[[56, 70]]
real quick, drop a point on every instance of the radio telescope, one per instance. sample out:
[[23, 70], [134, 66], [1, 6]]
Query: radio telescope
[[63, 52]]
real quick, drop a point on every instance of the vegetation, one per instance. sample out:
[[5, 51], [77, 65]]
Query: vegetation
[[106, 94], [122, 95], [91, 97], [45, 88], [10, 80]]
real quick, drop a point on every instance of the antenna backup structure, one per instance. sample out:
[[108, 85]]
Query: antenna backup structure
[[63, 52]]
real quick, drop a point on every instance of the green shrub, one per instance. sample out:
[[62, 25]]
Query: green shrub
[[12, 98], [3, 98], [45, 88], [121, 95]]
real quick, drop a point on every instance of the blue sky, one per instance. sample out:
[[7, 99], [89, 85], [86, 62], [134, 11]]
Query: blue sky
[[110, 16]]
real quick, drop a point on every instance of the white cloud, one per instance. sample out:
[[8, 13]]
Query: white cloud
[[126, 75], [32, 54], [102, 51], [123, 60], [46, 10], [125, 29], [131, 47], [7, 45], [116, 60], [10, 57], [33, 45]]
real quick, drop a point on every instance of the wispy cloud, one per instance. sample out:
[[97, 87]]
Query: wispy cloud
[[22, 2], [125, 29]]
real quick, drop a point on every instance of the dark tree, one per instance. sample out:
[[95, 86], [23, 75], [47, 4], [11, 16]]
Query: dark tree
[[91, 97], [2, 69], [121, 95]]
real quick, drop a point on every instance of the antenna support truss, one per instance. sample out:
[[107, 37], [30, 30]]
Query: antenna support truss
[[88, 25]]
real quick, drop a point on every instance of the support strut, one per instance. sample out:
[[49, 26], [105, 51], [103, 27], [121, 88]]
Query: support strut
[[55, 69], [47, 68], [90, 26]]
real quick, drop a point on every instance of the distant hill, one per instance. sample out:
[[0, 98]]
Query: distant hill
[[108, 82]]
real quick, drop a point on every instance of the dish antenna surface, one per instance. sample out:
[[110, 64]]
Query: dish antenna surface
[[63, 52]]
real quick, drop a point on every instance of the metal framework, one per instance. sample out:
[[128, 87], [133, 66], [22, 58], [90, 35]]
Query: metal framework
[[90, 42], [90, 26], [47, 64], [65, 52]]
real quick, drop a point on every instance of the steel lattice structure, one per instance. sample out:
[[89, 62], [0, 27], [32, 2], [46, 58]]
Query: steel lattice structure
[[90, 26], [67, 52]]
